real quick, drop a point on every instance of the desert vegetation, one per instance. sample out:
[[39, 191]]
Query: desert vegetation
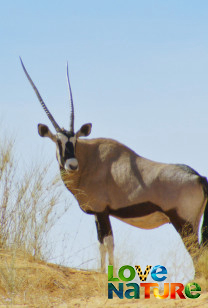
[[28, 201], [29, 198]]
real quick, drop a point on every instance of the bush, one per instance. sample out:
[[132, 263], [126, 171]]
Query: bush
[[28, 199]]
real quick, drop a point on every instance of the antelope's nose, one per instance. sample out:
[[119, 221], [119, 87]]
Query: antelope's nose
[[72, 167], [71, 164]]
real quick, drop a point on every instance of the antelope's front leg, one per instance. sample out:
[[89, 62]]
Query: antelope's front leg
[[105, 237]]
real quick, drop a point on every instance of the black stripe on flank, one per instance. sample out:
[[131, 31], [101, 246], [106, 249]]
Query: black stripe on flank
[[136, 210], [146, 208]]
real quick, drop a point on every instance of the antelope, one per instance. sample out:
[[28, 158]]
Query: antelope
[[109, 179]]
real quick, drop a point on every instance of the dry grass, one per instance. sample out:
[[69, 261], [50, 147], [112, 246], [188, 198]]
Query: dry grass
[[24, 280], [28, 203], [201, 267], [200, 258]]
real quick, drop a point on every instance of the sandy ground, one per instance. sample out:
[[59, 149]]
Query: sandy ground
[[25, 282]]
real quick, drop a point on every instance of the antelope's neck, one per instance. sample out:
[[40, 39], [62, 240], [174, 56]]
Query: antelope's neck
[[77, 182], [71, 180]]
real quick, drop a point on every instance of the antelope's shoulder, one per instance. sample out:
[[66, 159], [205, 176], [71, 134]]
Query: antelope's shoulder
[[105, 146]]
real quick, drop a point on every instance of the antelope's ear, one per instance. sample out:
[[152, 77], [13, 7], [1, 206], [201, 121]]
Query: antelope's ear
[[44, 131], [84, 131]]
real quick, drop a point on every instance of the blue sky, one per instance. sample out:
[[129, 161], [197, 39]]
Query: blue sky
[[138, 72]]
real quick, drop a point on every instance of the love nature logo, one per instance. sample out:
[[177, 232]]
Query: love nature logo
[[158, 273]]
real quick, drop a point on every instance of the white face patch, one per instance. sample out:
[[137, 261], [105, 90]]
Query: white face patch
[[73, 140], [65, 152], [63, 139]]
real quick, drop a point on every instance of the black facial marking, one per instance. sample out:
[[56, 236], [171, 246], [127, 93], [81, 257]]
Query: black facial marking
[[69, 150], [60, 147], [67, 133]]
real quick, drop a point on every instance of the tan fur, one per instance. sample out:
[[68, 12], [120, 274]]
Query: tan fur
[[110, 174]]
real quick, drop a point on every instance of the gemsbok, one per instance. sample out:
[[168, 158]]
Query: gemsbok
[[107, 178]]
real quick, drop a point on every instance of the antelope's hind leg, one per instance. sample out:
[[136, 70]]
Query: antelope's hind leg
[[105, 237]]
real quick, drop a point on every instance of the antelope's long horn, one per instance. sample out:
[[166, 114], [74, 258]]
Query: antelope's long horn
[[71, 103], [51, 118]]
